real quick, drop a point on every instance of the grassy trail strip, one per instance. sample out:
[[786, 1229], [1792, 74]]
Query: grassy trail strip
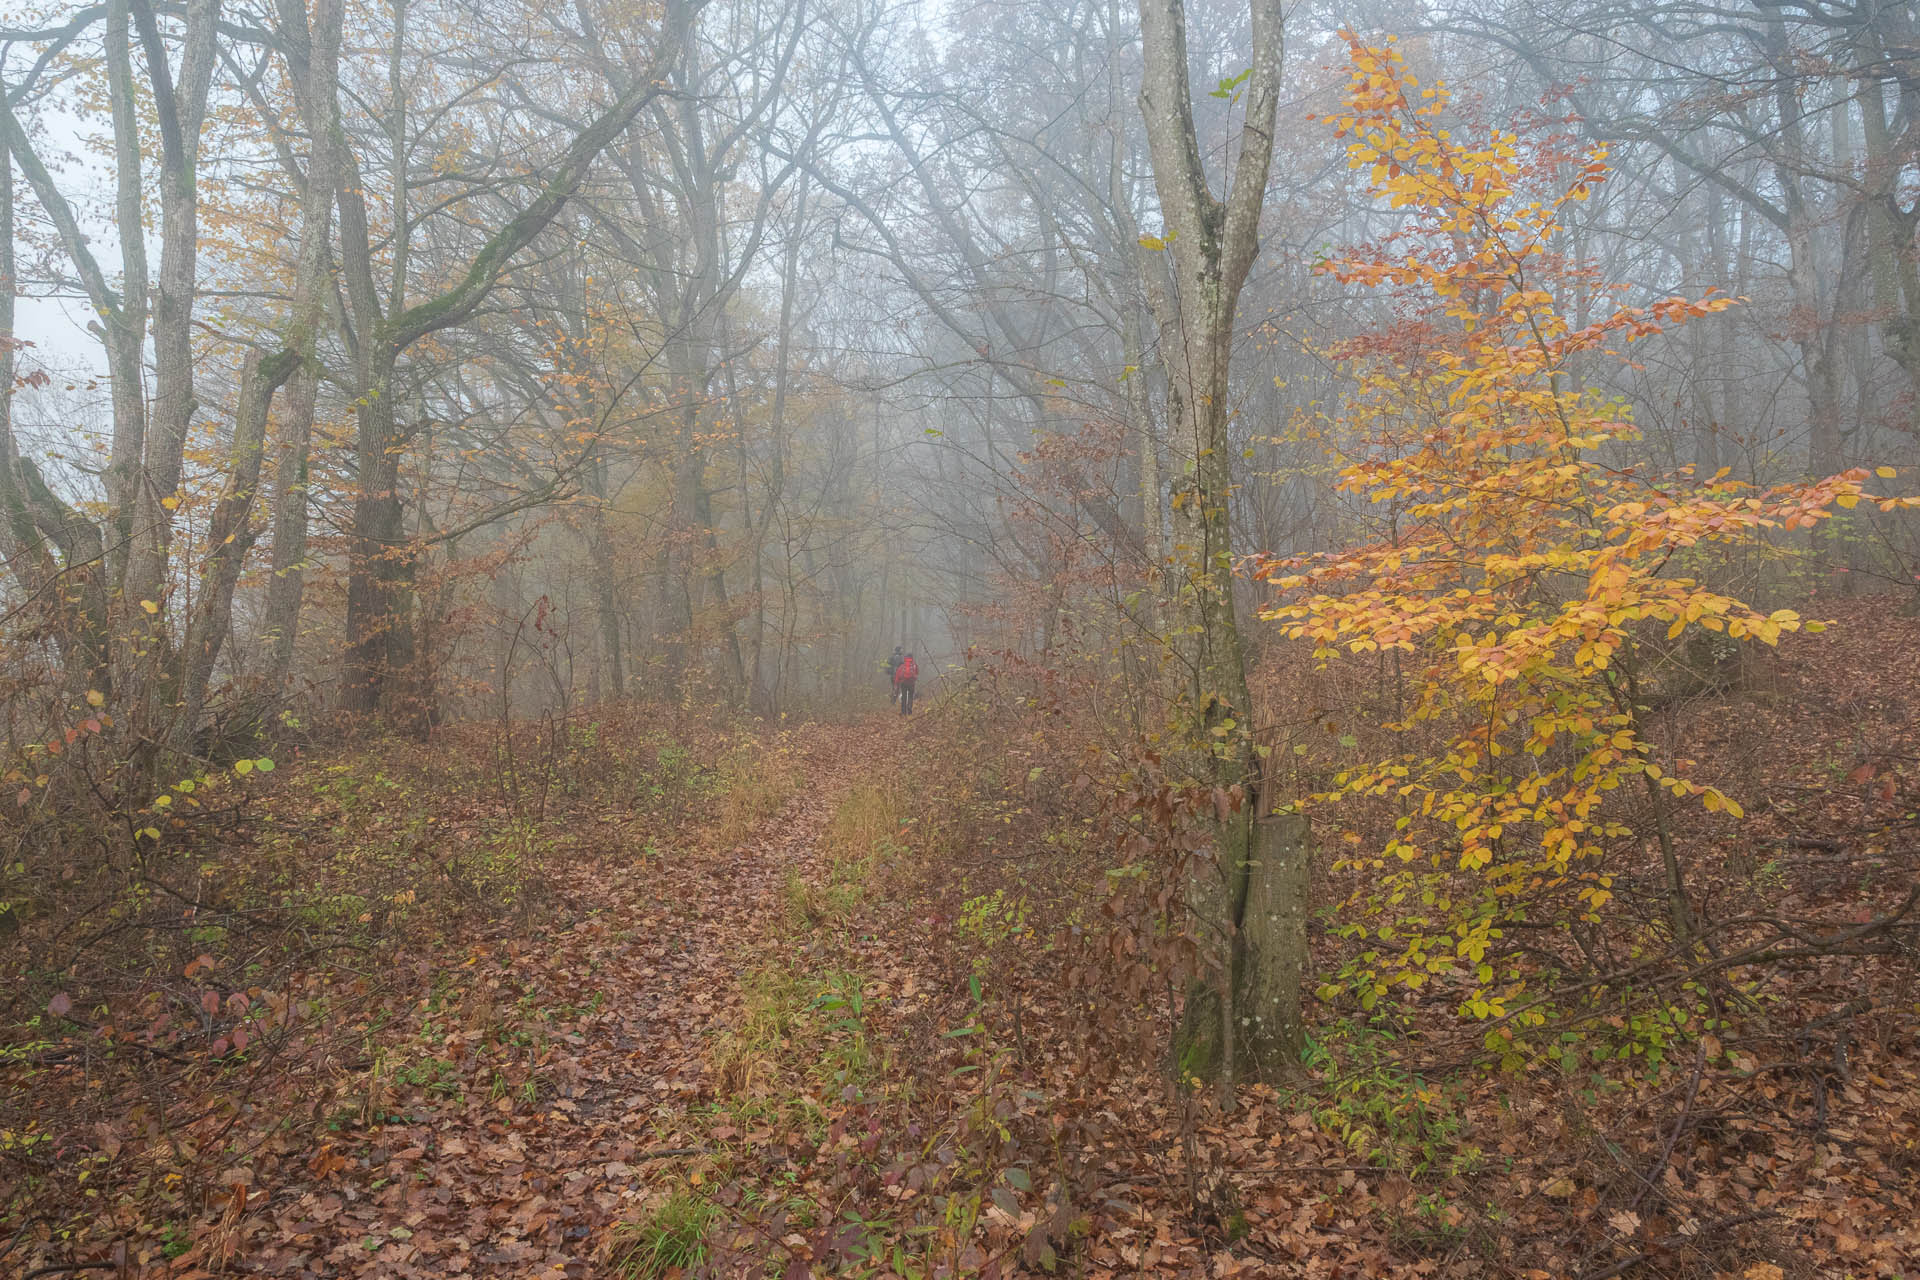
[[455, 1167]]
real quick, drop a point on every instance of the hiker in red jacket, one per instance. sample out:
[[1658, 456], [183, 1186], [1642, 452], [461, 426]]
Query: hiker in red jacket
[[903, 678]]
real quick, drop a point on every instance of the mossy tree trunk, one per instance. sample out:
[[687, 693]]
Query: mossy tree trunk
[[1244, 1017]]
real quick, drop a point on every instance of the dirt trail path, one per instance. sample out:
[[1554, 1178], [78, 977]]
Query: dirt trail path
[[457, 1169]]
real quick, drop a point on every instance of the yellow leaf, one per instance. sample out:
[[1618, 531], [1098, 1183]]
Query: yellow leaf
[[1716, 802], [150, 606], [170, 502], [1886, 473], [95, 698]]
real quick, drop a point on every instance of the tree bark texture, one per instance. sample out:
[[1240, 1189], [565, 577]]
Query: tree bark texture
[[1254, 916]]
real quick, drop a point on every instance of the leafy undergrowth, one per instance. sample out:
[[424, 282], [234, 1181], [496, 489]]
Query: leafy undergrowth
[[380, 1020], [934, 1071], [1752, 1102], [854, 1002]]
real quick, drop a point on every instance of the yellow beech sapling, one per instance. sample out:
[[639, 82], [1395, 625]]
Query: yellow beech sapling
[[1527, 566]]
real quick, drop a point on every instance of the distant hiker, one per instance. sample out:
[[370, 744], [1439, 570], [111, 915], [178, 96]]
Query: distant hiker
[[893, 670], [903, 678]]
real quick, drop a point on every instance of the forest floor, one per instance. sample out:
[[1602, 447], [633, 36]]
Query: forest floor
[[442, 1167], [815, 1007]]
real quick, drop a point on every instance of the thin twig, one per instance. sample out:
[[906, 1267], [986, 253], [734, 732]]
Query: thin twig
[[1680, 1238], [1686, 1110]]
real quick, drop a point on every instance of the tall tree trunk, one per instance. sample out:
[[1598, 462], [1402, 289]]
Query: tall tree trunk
[[380, 566], [179, 108], [759, 696], [1700, 271], [377, 552], [1811, 315], [315, 58], [232, 531], [675, 580], [28, 559], [125, 325], [1146, 442], [1245, 1016], [45, 539], [91, 560], [606, 600], [379, 555], [717, 583], [230, 535]]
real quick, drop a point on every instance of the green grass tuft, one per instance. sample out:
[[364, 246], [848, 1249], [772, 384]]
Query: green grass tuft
[[673, 1239]]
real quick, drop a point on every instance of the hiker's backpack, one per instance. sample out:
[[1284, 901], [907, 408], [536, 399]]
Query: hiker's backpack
[[907, 669]]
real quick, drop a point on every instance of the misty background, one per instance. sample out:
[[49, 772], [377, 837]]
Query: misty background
[[833, 330]]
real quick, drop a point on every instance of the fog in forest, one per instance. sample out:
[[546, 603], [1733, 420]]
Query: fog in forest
[[622, 348], [1280, 418]]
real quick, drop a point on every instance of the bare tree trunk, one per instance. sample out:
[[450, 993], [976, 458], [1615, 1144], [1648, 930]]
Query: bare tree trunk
[[674, 586], [380, 558], [1702, 271], [608, 612], [46, 539], [232, 532], [759, 697], [91, 560], [230, 535], [318, 49], [153, 693], [717, 583], [125, 323], [180, 110], [1146, 442], [1270, 962], [28, 559], [1144, 277], [1247, 1022], [1813, 317]]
